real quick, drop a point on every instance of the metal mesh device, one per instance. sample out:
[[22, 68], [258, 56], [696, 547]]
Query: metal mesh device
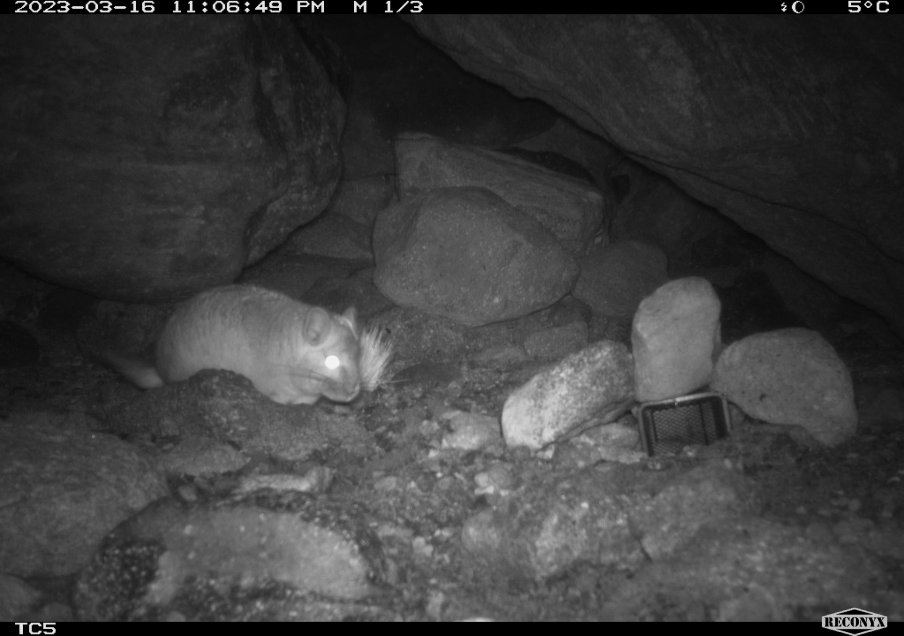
[[667, 426]]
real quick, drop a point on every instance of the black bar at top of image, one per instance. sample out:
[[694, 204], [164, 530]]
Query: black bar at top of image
[[790, 8]]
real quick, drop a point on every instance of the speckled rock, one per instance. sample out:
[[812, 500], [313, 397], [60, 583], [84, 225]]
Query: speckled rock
[[597, 379], [199, 560]]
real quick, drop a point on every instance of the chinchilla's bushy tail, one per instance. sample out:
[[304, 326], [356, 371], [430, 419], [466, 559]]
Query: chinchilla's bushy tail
[[138, 371]]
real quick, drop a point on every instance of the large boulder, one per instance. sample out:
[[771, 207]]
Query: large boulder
[[148, 157]]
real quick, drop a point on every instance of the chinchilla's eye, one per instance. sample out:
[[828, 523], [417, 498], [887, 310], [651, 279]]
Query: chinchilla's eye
[[331, 362]]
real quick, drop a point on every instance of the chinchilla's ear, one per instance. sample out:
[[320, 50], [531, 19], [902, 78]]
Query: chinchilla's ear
[[316, 325], [350, 318]]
